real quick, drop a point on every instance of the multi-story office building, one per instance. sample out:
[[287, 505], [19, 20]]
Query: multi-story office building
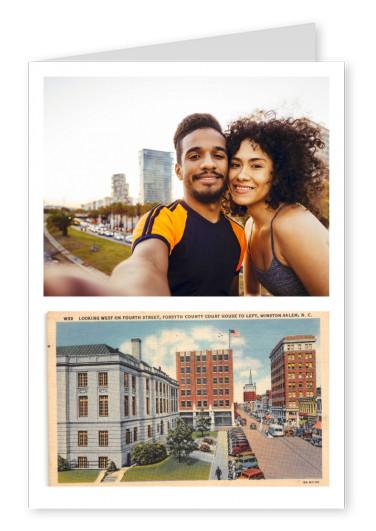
[[120, 188], [156, 171], [206, 381], [249, 390], [293, 375], [307, 411], [108, 402], [266, 400]]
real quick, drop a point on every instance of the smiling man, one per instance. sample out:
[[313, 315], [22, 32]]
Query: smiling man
[[188, 247]]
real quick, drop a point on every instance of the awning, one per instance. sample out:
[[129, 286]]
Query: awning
[[302, 421], [317, 426], [269, 417]]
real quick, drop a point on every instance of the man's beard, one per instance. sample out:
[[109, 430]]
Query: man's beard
[[211, 194]]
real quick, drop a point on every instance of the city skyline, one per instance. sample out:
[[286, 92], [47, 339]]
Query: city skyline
[[95, 127], [162, 339]]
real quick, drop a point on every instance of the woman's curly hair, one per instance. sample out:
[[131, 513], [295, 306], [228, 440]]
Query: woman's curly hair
[[298, 174]]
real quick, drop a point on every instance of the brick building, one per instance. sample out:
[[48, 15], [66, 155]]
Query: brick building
[[293, 376], [249, 390], [206, 381], [107, 402]]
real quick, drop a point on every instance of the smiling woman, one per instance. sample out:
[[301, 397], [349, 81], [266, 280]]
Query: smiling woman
[[276, 178]]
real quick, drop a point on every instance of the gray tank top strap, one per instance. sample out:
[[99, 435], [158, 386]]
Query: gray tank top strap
[[271, 226]]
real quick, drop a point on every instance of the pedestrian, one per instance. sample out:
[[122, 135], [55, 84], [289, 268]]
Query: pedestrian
[[218, 473]]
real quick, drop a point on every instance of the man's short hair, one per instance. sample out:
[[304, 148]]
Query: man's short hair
[[190, 124]]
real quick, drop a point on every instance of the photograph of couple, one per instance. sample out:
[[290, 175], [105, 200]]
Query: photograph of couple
[[253, 208]]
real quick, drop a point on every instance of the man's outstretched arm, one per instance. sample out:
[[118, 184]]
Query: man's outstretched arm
[[145, 272]]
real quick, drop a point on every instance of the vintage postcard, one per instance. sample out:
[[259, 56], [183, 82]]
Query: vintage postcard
[[210, 399]]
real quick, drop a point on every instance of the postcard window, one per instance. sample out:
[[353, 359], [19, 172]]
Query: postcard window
[[103, 438], [102, 462], [103, 406], [83, 406], [82, 379], [82, 438], [103, 379], [82, 462]]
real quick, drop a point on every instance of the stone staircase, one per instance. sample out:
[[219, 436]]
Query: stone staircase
[[113, 477]]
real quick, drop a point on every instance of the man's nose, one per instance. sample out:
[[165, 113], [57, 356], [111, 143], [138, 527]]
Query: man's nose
[[208, 161]]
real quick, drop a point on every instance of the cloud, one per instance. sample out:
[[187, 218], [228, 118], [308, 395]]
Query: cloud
[[159, 350]]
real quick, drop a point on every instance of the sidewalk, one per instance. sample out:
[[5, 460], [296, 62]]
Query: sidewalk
[[220, 457]]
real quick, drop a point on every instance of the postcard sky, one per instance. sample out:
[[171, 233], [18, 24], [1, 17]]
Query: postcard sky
[[95, 127], [162, 339]]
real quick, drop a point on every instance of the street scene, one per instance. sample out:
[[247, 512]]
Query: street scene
[[141, 401]]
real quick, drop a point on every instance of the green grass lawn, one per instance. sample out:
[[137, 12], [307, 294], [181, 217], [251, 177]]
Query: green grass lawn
[[170, 470], [77, 476], [197, 434], [78, 243]]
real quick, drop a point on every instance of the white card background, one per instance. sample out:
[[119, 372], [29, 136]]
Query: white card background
[[343, 33]]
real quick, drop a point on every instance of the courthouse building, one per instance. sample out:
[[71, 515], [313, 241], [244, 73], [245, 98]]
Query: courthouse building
[[206, 381], [108, 402], [293, 376]]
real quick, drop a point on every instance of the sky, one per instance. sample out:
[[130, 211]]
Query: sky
[[160, 340], [94, 127]]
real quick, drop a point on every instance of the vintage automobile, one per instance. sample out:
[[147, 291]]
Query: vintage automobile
[[239, 449], [316, 441], [253, 473], [288, 432], [252, 426], [245, 458], [307, 435]]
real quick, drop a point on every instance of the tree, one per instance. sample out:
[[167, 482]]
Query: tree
[[60, 220], [111, 467], [149, 453], [179, 440], [203, 422], [62, 464]]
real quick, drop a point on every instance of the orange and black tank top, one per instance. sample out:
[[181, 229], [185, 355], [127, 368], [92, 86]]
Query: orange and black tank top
[[204, 257]]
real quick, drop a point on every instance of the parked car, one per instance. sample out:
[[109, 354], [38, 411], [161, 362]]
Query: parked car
[[245, 453], [238, 440], [316, 441], [253, 473], [307, 435], [299, 432], [245, 458], [238, 449], [205, 448], [118, 236], [245, 465], [128, 239], [108, 232], [252, 426], [288, 432]]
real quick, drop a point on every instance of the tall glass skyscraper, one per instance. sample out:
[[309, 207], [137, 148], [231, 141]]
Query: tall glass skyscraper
[[156, 171]]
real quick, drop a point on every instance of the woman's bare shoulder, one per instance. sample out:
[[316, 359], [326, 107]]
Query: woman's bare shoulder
[[248, 226], [296, 219]]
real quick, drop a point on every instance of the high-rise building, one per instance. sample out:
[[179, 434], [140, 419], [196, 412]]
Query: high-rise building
[[206, 381], [120, 188], [293, 375], [156, 170], [108, 402], [249, 390]]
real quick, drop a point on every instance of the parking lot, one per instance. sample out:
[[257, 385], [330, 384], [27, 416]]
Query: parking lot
[[284, 457]]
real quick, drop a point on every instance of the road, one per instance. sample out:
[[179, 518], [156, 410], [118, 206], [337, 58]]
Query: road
[[111, 238], [284, 457]]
